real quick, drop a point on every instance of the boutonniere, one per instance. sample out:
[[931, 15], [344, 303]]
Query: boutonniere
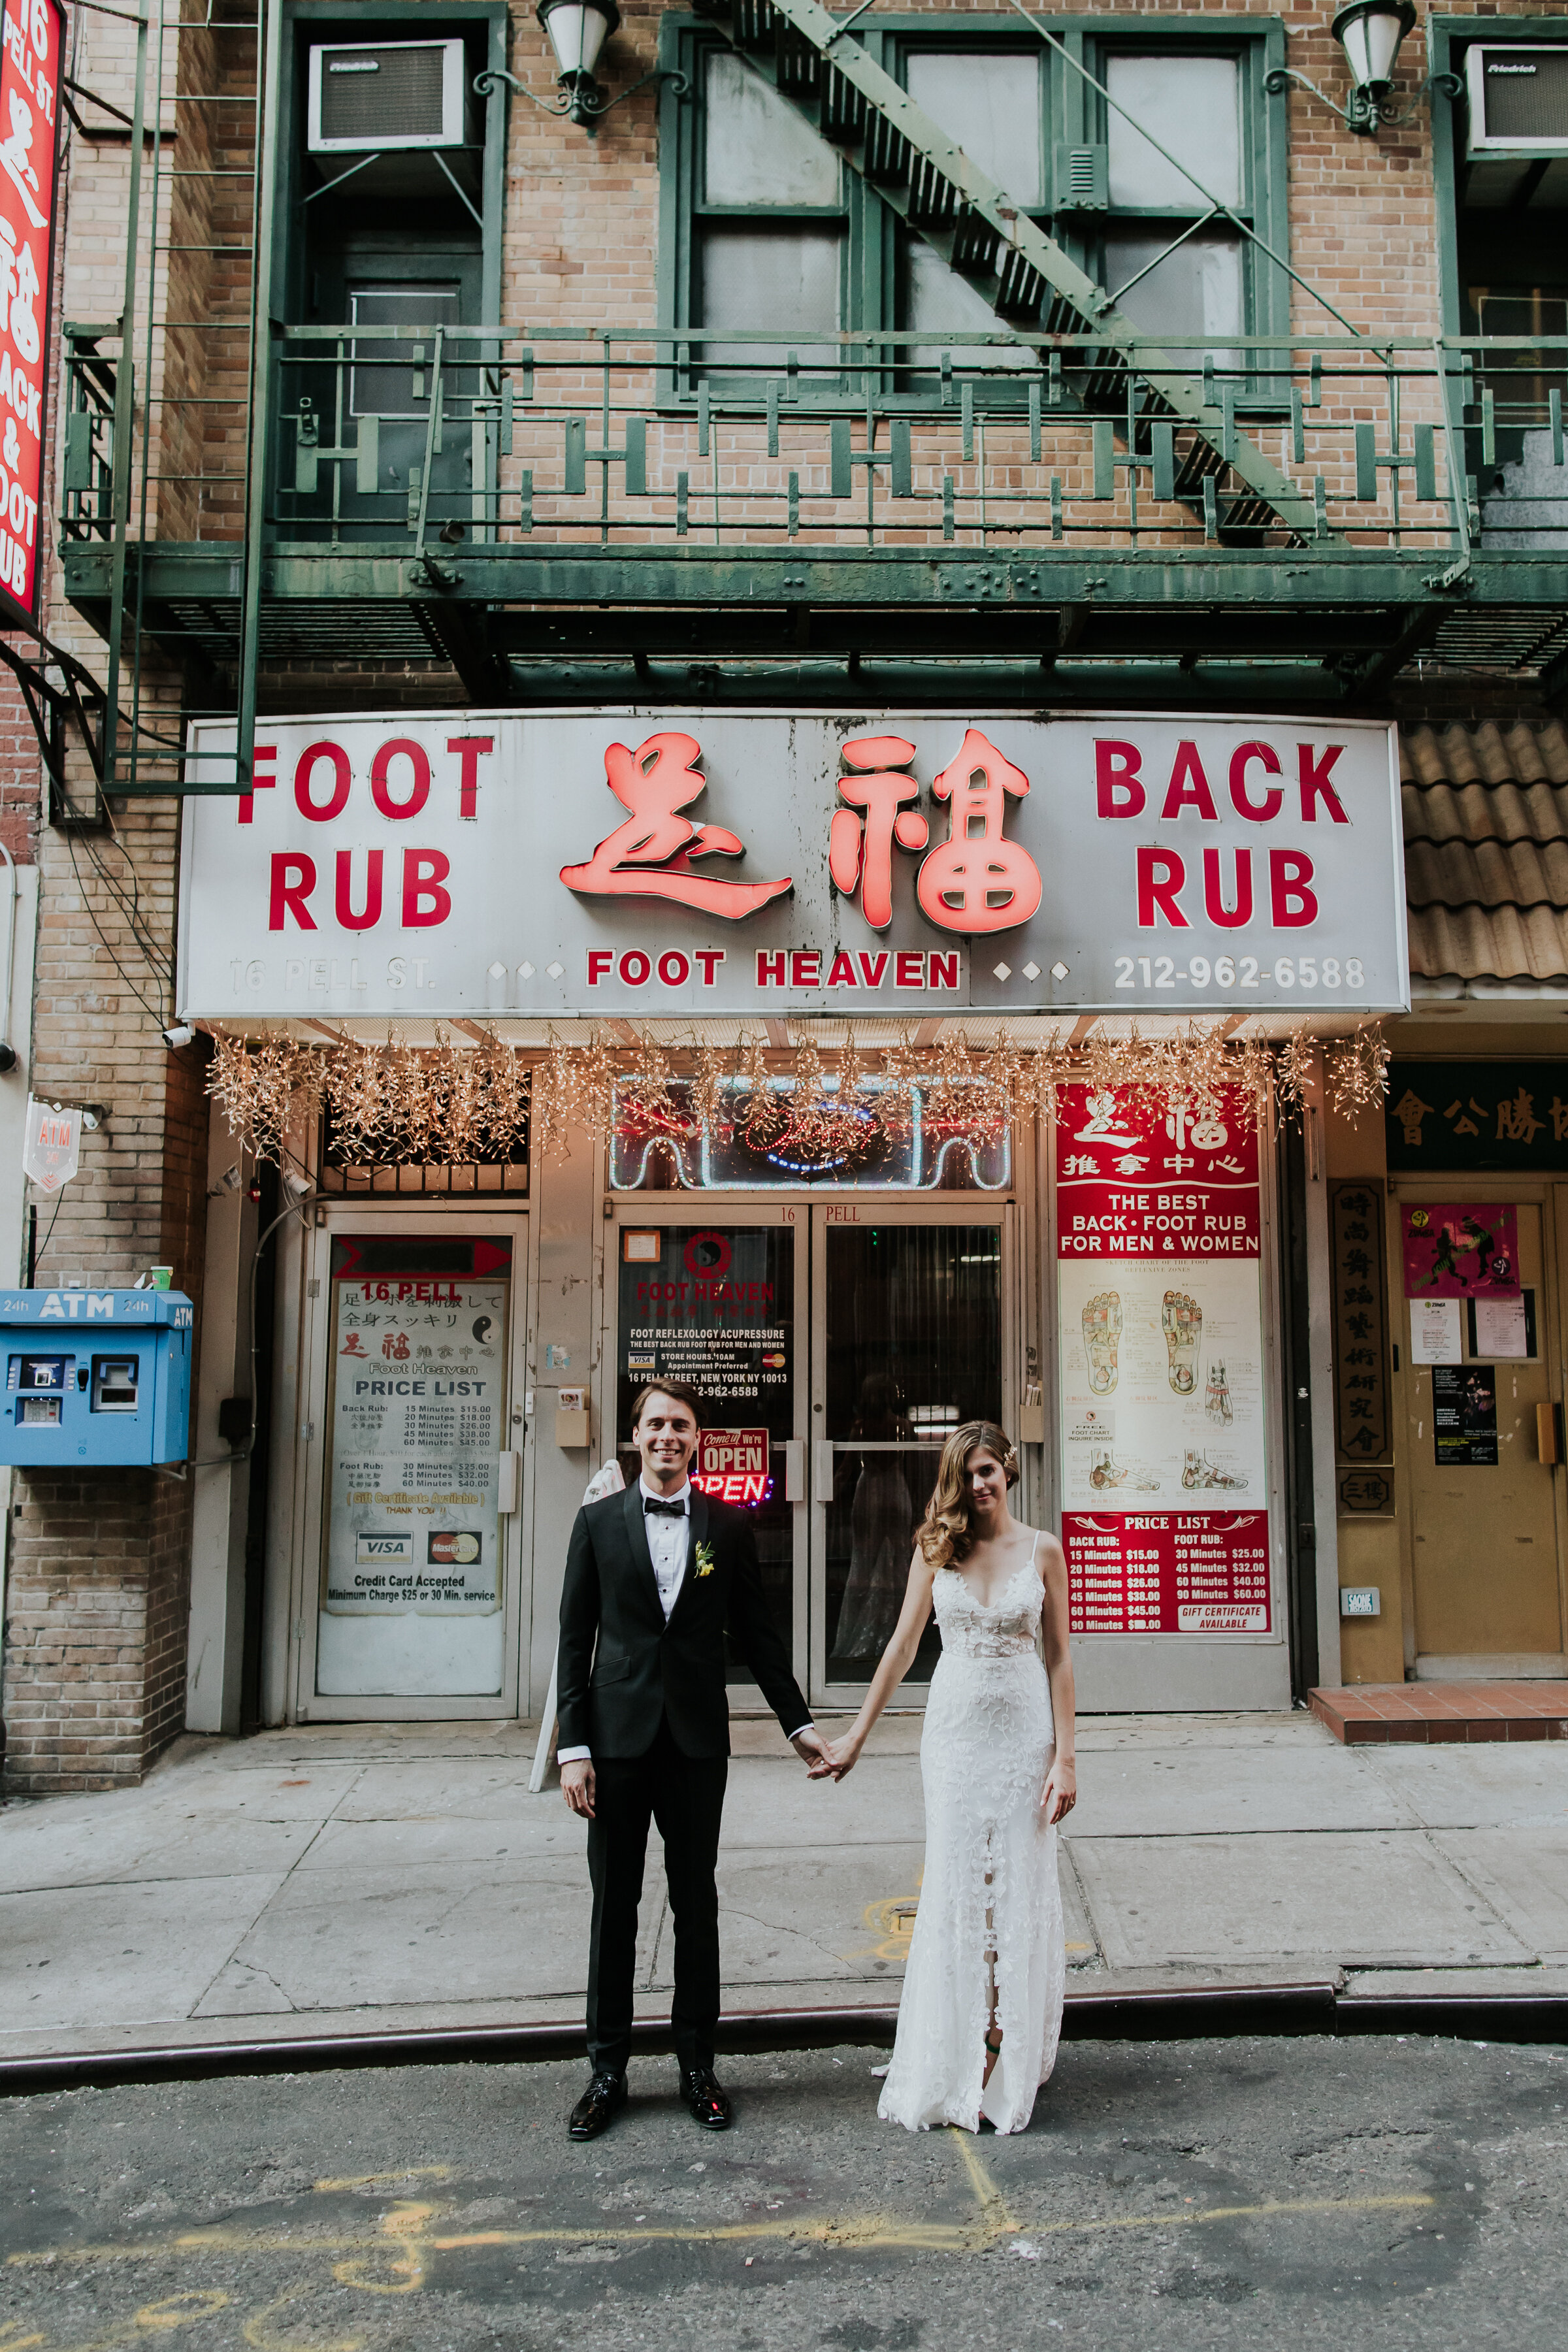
[[705, 1561]]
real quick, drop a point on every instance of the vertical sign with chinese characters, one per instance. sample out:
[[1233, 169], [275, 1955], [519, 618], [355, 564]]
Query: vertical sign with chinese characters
[[1360, 1324], [1165, 1465], [31, 50]]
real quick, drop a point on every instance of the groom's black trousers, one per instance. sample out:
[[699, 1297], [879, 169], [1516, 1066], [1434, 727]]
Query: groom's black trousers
[[685, 1795]]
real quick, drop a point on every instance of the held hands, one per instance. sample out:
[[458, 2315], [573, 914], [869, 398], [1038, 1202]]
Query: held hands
[[814, 1752], [1060, 1793], [577, 1785], [837, 1758]]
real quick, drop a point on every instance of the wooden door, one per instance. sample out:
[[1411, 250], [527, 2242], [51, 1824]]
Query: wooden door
[[1484, 1542]]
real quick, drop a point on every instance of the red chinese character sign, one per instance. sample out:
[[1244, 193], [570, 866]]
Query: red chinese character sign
[[650, 855], [1163, 1459], [31, 50]]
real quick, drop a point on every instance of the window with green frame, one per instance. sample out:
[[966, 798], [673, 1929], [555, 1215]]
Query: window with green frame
[[765, 227]]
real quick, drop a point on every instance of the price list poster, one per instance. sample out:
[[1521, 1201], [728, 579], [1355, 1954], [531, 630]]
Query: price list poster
[[1163, 1467]]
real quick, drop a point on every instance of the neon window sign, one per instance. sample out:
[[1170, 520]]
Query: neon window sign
[[672, 1149]]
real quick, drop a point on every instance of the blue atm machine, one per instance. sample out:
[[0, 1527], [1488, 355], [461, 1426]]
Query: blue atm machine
[[94, 1376]]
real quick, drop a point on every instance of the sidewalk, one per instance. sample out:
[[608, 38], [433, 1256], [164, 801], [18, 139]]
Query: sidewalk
[[351, 1877]]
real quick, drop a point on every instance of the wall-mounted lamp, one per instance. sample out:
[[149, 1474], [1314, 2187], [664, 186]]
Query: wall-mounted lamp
[[577, 31], [1370, 32]]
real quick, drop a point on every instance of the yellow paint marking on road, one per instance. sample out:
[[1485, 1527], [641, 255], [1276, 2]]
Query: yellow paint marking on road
[[265, 2338], [180, 2310], [388, 2180], [15, 2342], [992, 2205], [883, 2229]]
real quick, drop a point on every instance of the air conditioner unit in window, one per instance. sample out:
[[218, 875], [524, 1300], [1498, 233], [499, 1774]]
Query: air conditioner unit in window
[[377, 96], [1517, 141]]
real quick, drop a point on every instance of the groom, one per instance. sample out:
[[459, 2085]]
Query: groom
[[653, 1576]]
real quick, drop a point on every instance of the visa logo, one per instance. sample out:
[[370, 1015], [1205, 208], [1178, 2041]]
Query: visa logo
[[369, 1548]]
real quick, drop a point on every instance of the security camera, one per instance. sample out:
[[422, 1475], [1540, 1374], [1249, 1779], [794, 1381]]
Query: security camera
[[179, 1035], [298, 1185]]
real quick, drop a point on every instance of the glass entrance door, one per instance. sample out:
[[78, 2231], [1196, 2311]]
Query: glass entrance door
[[409, 1571], [910, 1338], [834, 1346], [718, 1301]]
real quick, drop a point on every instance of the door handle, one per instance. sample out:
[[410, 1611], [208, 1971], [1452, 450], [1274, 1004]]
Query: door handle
[[822, 1468], [509, 1482], [793, 1451], [1548, 1432]]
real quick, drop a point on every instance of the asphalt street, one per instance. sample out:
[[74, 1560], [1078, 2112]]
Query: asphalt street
[[1372, 2192]]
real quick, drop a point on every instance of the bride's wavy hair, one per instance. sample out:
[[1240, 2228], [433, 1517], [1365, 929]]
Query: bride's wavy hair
[[945, 1535]]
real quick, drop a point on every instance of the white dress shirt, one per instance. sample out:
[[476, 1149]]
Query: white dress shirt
[[667, 1543]]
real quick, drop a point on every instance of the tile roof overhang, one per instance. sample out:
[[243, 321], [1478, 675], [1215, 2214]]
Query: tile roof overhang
[[1485, 852]]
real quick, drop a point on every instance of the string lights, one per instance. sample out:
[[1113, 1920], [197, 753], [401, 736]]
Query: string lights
[[810, 1102]]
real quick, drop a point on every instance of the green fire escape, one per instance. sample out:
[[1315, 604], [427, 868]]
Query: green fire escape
[[1292, 519]]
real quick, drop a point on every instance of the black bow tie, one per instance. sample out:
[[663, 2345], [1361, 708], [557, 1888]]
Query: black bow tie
[[670, 1510]]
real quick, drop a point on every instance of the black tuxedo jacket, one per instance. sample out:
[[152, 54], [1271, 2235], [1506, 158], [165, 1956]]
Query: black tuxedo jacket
[[622, 1668]]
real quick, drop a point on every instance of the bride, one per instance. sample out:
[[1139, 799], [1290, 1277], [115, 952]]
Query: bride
[[982, 2005]]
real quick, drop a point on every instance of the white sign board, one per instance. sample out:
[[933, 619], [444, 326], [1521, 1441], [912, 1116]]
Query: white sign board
[[676, 863], [1435, 1331], [51, 1145]]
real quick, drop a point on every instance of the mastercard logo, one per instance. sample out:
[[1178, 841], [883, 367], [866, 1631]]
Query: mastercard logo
[[775, 1363], [453, 1547]]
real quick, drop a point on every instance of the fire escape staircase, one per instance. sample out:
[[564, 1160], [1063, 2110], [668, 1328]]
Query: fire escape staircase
[[1031, 282]]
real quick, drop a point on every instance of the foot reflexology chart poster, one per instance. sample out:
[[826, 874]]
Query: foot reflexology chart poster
[[1164, 1486]]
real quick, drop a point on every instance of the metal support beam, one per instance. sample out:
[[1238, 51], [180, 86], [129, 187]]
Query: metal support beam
[[259, 421], [124, 416]]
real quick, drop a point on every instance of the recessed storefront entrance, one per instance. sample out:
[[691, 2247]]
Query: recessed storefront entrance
[[1487, 1512], [837, 1343], [409, 1473]]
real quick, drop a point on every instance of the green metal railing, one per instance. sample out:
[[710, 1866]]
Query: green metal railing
[[421, 440]]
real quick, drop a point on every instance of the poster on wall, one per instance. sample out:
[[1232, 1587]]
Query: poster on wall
[[415, 1424], [1163, 1460], [1464, 1416], [715, 1306], [1460, 1249]]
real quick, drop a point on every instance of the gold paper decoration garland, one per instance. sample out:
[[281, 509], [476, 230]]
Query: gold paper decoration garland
[[452, 1105]]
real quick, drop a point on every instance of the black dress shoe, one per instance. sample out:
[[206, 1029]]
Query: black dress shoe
[[706, 2097], [598, 2105]]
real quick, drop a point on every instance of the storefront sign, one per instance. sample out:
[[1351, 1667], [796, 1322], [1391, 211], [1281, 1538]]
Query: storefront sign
[[1362, 1425], [693, 862], [1164, 1471], [414, 1426], [1501, 1115], [1464, 1416], [32, 52], [1460, 1249]]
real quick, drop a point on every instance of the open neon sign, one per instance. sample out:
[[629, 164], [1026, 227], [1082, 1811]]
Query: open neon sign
[[732, 1466]]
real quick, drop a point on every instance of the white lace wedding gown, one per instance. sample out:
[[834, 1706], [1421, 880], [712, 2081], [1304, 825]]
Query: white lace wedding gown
[[990, 1885]]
